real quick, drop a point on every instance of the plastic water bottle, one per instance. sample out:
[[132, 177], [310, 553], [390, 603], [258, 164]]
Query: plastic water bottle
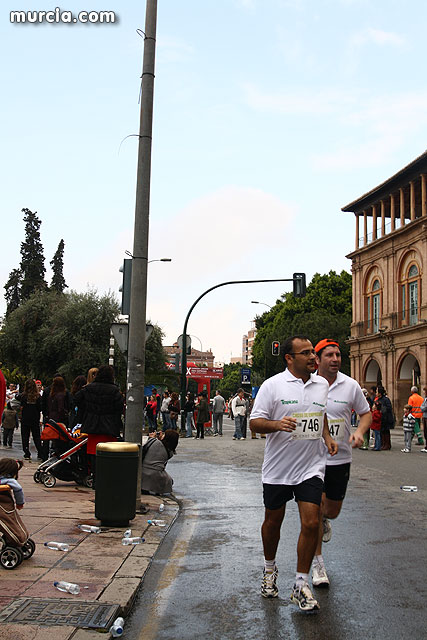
[[127, 533], [116, 628], [137, 540], [409, 487], [88, 528], [68, 587], [157, 523], [161, 507], [61, 546]]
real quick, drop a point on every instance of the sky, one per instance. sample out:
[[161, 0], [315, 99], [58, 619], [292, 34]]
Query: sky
[[269, 116]]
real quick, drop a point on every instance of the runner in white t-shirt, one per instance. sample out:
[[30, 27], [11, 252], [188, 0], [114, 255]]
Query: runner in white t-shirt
[[344, 396], [291, 409]]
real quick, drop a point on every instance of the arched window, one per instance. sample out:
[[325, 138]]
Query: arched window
[[409, 297], [373, 306]]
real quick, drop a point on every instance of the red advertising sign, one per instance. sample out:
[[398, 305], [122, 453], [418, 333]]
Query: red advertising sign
[[204, 373]]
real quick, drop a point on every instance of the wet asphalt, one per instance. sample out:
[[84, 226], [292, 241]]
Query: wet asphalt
[[205, 579]]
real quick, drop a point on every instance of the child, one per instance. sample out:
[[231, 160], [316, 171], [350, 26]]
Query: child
[[376, 425], [9, 422], [9, 470], [408, 428]]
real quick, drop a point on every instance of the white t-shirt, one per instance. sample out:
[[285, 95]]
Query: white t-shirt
[[344, 395], [287, 459]]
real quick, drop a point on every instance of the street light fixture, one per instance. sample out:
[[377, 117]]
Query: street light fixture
[[161, 260], [256, 302]]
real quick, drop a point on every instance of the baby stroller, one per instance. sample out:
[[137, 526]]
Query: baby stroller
[[15, 543], [69, 459]]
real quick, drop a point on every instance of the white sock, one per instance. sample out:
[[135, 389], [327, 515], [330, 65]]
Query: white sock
[[318, 560], [269, 565], [301, 578]]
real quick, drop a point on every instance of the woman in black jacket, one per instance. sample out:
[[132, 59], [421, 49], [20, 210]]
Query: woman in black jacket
[[99, 411], [30, 420]]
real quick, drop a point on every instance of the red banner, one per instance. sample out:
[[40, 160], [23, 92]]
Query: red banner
[[204, 373]]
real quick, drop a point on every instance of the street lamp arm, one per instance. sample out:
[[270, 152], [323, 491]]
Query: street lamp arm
[[184, 333]]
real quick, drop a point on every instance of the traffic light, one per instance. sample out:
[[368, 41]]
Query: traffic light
[[275, 348], [174, 357], [126, 269], [299, 285]]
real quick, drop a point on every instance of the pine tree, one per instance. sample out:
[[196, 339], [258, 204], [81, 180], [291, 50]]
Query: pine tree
[[32, 258], [13, 290], [57, 263]]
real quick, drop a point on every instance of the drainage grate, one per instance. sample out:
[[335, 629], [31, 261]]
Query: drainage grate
[[89, 615]]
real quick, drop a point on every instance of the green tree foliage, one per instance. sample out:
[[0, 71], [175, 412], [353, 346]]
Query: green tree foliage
[[325, 312], [231, 381], [69, 333], [58, 283], [32, 258], [53, 332], [13, 290]]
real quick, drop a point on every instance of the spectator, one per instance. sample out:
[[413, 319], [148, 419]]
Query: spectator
[[151, 410], [239, 409], [218, 409], [387, 419], [99, 411], [408, 428], [202, 414], [155, 478], [376, 425], [164, 410], [78, 383], [9, 422], [59, 401], [424, 410], [174, 409], [415, 400], [189, 414], [91, 374], [30, 418]]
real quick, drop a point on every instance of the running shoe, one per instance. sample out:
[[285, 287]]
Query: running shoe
[[319, 576], [327, 530], [423, 450], [269, 587], [302, 596], [405, 450]]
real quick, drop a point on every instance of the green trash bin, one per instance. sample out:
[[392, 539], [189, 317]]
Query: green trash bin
[[116, 482]]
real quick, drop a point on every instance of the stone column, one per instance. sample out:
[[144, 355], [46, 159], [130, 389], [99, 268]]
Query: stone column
[[374, 222], [423, 195], [402, 207], [382, 219], [412, 200], [392, 213], [357, 230], [365, 228]]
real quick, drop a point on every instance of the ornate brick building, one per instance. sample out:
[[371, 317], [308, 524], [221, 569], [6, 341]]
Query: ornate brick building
[[388, 340]]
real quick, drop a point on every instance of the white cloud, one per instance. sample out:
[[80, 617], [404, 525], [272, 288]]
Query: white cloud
[[365, 130], [376, 36]]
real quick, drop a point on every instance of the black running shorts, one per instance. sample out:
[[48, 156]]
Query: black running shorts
[[276, 495], [336, 480]]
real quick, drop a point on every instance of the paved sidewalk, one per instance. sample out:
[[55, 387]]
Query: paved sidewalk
[[106, 571]]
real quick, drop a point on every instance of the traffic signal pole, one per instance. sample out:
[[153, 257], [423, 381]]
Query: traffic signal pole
[[299, 291], [138, 293]]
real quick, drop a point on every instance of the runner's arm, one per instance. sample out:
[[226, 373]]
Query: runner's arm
[[262, 425], [356, 438], [330, 443]]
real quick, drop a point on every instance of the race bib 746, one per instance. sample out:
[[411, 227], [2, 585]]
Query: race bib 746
[[309, 425]]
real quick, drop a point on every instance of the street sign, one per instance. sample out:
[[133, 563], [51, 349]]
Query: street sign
[[121, 334], [246, 376], [205, 373]]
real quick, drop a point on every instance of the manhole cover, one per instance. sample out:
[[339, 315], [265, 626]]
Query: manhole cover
[[89, 615]]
